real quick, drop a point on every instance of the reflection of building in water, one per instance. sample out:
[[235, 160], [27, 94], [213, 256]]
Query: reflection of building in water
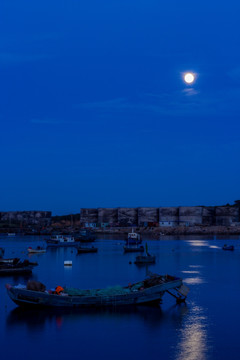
[[193, 337]]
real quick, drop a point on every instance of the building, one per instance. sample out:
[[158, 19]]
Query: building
[[162, 216], [25, 218]]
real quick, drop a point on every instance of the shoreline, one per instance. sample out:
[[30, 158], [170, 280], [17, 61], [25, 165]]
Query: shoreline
[[180, 230]]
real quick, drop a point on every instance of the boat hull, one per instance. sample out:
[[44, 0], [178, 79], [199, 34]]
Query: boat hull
[[16, 271], [153, 294], [142, 260], [86, 251]]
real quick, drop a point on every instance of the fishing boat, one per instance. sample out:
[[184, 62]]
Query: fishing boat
[[16, 261], [145, 259], [61, 241], [9, 261], [2, 251], [38, 250], [134, 238], [85, 249], [148, 291], [133, 248], [21, 268], [228, 247]]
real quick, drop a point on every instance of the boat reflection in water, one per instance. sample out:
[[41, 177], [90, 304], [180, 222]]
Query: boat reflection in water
[[40, 319]]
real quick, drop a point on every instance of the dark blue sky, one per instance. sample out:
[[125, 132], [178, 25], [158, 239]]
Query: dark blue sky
[[94, 111]]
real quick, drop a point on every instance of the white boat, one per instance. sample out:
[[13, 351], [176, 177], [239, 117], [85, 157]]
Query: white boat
[[38, 250], [11, 234], [61, 240]]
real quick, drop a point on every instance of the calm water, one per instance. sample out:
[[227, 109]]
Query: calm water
[[207, 327]]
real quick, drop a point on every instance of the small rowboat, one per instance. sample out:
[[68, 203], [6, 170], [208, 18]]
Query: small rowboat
[[228, 247], [38, 250], [148, 291], [2, 251], [145, 259]]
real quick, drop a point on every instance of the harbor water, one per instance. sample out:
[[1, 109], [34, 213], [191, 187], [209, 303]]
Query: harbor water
[[205, 327]]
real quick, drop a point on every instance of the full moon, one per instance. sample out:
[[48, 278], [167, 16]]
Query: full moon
[[189, 78]]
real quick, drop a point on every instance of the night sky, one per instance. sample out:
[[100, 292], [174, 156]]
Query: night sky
[[94, 111]]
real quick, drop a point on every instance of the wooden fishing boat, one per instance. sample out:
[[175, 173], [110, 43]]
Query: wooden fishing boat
[[133, 248], [84, 249], [149, 291], [145, 259], [228, 247], [38, 250]]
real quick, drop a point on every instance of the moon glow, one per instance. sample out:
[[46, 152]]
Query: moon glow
[[189, 78]]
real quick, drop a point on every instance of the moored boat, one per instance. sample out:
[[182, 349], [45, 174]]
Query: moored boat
[[228, 247], [145, 259], [148, 291], [60, 241], [134, 238], [9, 261], [20, 268], [2, 251], [85, 249], [38, 250]]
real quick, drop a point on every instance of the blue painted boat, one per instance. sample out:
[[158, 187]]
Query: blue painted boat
[[148, 291], [133, 238]]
